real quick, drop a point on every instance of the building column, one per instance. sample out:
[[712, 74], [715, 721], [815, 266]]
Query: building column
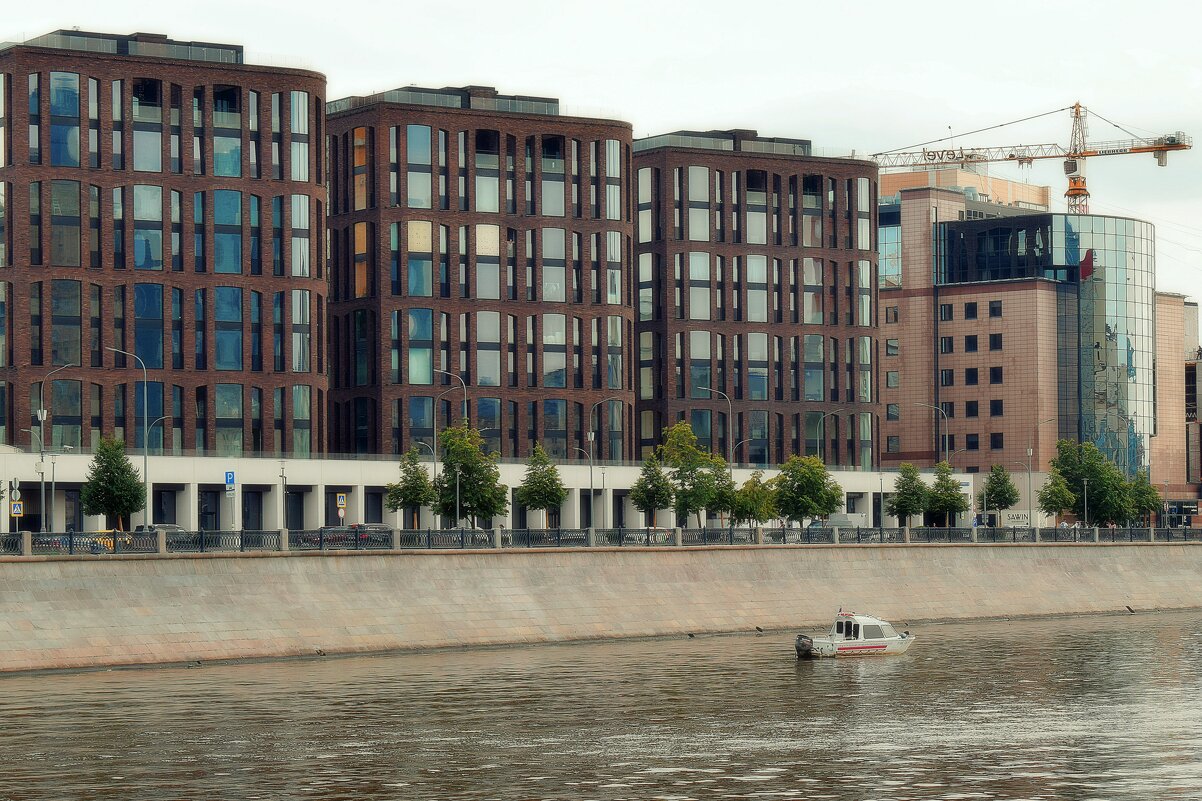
[[356, 504], [191, 516], [231, 509], [569, 512], [315, 507]]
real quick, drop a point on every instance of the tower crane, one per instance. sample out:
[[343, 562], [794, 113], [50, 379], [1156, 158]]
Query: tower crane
[[1074, 155]]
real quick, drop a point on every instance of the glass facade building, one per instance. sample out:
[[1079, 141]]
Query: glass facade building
[[1104, 268]]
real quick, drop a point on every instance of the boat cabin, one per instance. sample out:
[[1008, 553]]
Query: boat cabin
[[850, 626]]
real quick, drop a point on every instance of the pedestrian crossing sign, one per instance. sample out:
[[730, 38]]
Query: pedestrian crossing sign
[[18, 509]]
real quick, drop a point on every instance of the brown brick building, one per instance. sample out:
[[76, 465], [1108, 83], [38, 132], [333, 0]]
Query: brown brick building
[[487, 237], [756, 278], [165, 199]]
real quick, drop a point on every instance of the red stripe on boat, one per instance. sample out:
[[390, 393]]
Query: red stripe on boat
[[862, 647]]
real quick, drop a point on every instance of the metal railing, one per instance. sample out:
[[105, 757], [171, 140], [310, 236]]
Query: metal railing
[[377, 538]]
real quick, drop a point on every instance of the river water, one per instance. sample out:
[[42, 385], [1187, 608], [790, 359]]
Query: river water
[[1071, 708]]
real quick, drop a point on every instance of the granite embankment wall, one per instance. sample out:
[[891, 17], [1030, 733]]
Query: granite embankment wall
[[60, 612]]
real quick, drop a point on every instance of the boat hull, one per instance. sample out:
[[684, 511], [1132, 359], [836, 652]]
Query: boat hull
[[813, 648]]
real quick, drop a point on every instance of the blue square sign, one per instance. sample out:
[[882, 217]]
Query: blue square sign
[[229, 477]]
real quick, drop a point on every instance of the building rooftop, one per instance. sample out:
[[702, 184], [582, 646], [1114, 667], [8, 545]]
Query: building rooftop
[[481, 98], [154, 45], [739, 139]]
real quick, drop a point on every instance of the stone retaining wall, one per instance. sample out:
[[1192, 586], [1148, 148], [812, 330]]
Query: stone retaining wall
[[60, 612]]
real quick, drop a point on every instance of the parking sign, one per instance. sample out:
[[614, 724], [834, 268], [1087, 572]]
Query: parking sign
[[229, 478]]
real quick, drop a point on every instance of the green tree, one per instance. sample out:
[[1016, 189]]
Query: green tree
[[696, 475], [541, 488], [1055, 496], [999, 492], [1109, 495], [1145, 500], [805, 488], [755, 501], [909, 496], [481, 493], [652, 491], [112, 487], [944, 497], [414, 490]]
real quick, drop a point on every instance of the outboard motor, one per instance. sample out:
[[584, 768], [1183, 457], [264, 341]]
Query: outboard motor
[[805, 647]]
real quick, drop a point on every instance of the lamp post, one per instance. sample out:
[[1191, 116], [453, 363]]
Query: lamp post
[[1030, 462], [1085, 509], [592, 432], [463, 383], [145, 429], [283, 495], [730, 417], [433, 460], [591, 491], [42, 436], [456, 496], [942, 448], [822, 427]]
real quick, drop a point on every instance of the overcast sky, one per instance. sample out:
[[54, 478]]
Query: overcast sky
[[879, 77]]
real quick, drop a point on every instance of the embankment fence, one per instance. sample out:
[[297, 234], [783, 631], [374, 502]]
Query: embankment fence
[[378, 537]]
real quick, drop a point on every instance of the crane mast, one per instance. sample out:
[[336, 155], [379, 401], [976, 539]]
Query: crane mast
[[1074, 155]]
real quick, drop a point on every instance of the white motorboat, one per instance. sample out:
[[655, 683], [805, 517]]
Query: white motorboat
[[855, 635]]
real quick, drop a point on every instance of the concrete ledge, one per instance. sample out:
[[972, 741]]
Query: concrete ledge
[[81, 612]]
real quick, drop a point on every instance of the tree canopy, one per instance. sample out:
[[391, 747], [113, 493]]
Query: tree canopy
[[805, 489], [481, 493], [697, 476], [999, 492], [414, 490], [1109, 492], [1145, 500], [755, 501], [909, 496], [112, 486], [652, 491], [541, 488], [945, 498], [1055, 496]]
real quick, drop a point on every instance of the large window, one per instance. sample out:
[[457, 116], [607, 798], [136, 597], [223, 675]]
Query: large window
[[299, 161], [421, 346], [554, 265], [699, 286], [488, 262], [417, 148], [488, 349], [420, 245], [64, 120], [553, 172], [757, 366], [64, 224], [300, 236], [301, 337], [757, 289], [227, 231], [65, 322], [148, 324], [228, 408], [554, 350], [227, 131], [148, 227], [148, 125], [699, 365], [228, 321]]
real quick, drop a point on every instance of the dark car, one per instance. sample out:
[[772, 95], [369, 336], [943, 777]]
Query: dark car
[[355, 535]]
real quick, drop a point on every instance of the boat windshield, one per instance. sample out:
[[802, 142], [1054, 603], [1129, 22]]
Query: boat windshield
[[888, 631]]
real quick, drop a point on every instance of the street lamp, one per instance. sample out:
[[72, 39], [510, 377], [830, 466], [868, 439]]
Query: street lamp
[[730, 417], [145, 442], [1085, 511], [42, 436], [822, 427], [1030, 462], [433, 461], [458, 378], [591, 491], [53, 477], [942, 448], [283, 495], [592, 435]]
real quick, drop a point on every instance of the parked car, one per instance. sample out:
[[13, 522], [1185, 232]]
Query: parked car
[[363, 535], [170, 528]]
